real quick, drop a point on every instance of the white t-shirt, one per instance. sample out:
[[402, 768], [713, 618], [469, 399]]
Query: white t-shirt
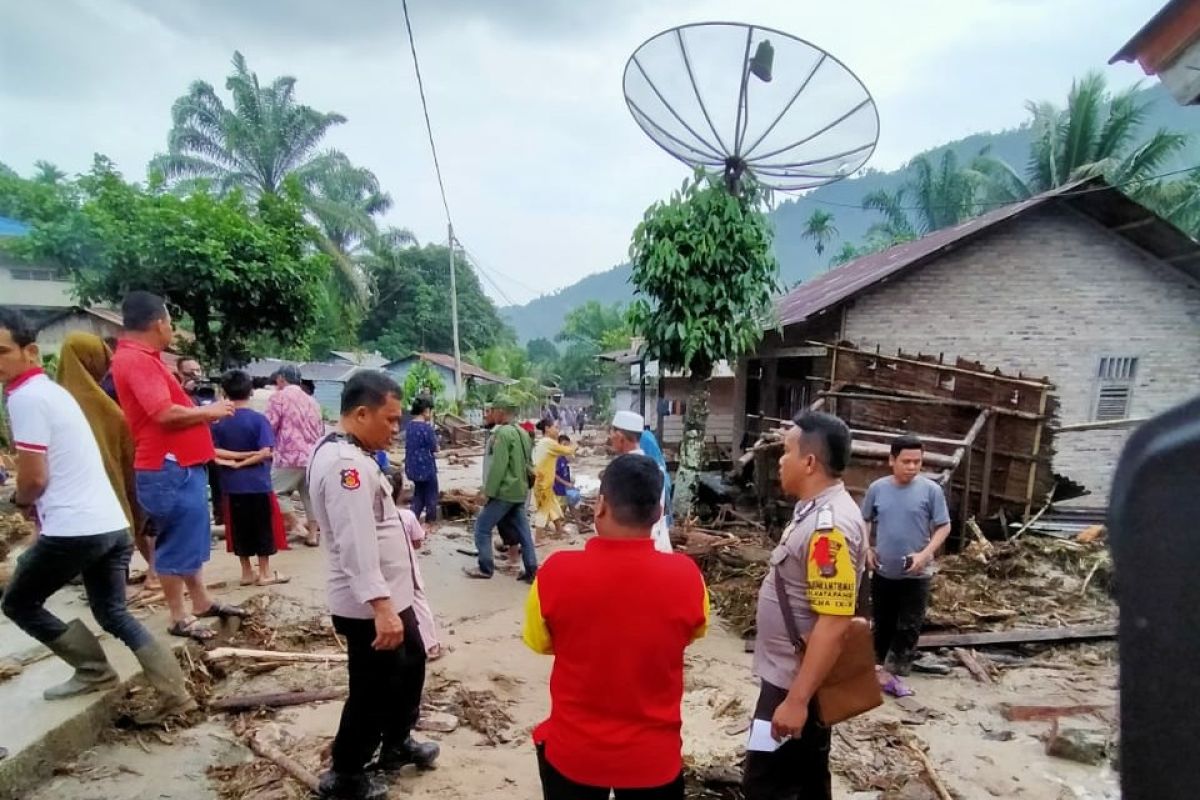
[[79, 499]]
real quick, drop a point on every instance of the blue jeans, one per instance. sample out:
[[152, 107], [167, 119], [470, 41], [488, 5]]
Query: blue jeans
[[52, 562], [175, 499], [509, 516]]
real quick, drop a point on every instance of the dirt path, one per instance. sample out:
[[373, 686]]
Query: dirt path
[[489, 675]]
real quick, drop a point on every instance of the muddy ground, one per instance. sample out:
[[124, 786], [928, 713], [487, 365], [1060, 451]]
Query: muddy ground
[[498, 689]]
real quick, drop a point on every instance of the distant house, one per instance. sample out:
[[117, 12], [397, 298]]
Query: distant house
[[1081, 285], [328, 379], [38, 291], [444, 366], [103, 322]]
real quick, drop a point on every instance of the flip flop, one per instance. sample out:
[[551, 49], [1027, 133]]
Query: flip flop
[[223, 611], [192, 630], [896, 688], [435, 652], [476, 573], [273, 581], [250, 582]]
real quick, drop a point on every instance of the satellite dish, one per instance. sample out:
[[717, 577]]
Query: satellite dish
[[747, 99]]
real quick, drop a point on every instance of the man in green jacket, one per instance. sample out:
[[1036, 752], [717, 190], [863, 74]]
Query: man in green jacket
[[506, 486]]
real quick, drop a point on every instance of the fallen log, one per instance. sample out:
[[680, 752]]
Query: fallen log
[[1014, 712], [221, 653], [286, 763], [930, 772], [1067, 633], [248, 702]]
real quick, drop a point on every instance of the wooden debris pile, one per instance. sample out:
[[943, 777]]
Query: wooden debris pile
[[14, 529], [461, 504], [734, 563], [874, 755], [481, 709], [1028, 582], [278, 622], [140, 698]]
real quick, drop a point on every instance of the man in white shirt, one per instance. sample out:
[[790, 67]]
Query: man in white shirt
[[82, 530], [625, 437]]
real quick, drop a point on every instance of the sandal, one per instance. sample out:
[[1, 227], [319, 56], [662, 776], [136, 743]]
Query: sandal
[[896, 688], [223, 611], [477, 573], [275, 580], [435, 652], [192, 630]]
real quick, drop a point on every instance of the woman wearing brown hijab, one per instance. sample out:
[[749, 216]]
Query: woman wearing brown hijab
[[82, 365]]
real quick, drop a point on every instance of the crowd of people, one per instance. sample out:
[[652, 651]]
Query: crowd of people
[[122, 451]]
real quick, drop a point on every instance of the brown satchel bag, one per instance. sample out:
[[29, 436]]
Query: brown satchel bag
[[850, 688]]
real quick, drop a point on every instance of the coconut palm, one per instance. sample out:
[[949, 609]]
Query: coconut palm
[[253, 146], [1098, 133], [820, 229], [343, 200], [896, 226]]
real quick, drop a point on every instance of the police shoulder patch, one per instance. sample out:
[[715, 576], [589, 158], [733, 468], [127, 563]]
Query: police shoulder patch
[[351, 479]]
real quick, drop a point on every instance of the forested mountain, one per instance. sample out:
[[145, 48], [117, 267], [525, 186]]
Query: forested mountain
[[798, 260]]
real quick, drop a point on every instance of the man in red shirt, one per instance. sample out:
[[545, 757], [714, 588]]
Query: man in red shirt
[[172, 445], [617, 617]]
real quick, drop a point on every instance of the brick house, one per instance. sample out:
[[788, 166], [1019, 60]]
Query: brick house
[[1081, 285]]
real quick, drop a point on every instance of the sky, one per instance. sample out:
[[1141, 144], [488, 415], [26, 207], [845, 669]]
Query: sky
[[546, 172]]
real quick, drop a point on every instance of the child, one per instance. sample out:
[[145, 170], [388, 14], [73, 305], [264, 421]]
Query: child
[[416, 536], [253, 524], [564, 489]]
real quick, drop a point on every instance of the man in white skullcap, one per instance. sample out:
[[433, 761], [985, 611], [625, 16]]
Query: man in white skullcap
[[625, 437]]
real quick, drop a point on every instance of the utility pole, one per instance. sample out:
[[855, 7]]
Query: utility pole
[[458, 381]]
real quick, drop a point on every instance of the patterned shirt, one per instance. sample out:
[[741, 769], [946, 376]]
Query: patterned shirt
[[296, 422], [420, 444]]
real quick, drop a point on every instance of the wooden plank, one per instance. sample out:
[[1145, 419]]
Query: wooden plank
[[988, 448], [1100, 426], [1015, 712], [1069, 633], [935, 366], [889, 436], [896, 396], [1037, 446]]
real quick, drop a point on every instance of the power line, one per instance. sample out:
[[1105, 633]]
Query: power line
[[437, 167], [998, 203], [479, 264]]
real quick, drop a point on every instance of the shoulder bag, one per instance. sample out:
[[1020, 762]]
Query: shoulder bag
[[851, 687]]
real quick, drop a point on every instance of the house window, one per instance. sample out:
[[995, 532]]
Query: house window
[[1114, 387]]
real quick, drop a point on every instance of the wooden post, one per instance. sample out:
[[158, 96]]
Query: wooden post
[[986, 487], [965, 509], [1037, 447]]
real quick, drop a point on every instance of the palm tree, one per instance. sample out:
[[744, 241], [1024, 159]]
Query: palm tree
[[944, 194], [253, 146], [1096, 134], [343, 200], [820, 229], [844, 256], [896, 226]]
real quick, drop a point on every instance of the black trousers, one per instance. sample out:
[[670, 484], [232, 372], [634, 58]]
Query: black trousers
[[898, 607], [556, 786], [799, 769], [385, 692]]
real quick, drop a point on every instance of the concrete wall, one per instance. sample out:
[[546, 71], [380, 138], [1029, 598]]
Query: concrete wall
[[51, 337], [1050, 294], [22, 291]]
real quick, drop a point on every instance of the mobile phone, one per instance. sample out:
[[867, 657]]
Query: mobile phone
[[908, 562]]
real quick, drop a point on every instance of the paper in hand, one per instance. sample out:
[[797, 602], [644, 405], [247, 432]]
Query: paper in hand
[[761, 740]]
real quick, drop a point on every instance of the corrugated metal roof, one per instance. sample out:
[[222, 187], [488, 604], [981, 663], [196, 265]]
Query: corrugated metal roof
[[447, 361], [1093, 197], [12, 227], [360, 359]]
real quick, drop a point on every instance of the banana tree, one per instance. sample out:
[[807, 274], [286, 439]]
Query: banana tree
[[704, 276]]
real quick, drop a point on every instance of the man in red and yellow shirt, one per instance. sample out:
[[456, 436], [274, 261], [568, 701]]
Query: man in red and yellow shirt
[[617, 617]]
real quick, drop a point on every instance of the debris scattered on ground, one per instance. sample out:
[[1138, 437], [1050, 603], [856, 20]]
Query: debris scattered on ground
[[14, 529], [460, 503], [1034, 581], [9, 670], [437, 722], [480, 709], [278, 622], [884, 756], [1087, 745], [140, 698]]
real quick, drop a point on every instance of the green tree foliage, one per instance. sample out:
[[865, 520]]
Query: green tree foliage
[[410, 310], [253, 146], [589, 330], [236, 271], [704, 274], [423, 379], [1098, 133], [820, 228], [541, 351]]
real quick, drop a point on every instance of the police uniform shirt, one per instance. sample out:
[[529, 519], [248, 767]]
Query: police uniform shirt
[[820, 559], [370, 555]]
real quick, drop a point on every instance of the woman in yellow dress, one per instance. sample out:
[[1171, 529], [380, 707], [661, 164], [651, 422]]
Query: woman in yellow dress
[[546, 508]]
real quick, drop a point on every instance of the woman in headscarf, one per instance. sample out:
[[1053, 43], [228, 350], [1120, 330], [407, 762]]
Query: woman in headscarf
[[649, 445], [82, 365], [546, 509]]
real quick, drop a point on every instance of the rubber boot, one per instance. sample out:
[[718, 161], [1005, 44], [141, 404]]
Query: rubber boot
[[421, 754], [80, 648], [360, 786], [166, 678]]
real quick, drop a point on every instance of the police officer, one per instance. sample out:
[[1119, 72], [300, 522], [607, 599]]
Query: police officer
[[371, 588], [818, 565]]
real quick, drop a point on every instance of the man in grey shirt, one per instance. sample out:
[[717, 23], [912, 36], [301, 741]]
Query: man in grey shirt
[[909, 522]]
